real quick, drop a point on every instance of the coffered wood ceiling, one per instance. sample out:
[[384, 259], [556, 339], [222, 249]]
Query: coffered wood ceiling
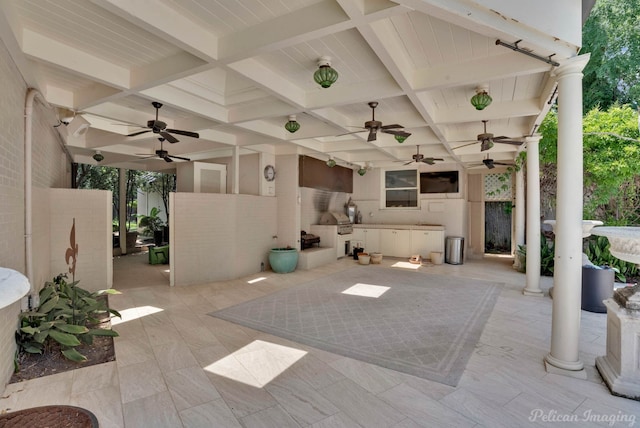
[[235, 70]]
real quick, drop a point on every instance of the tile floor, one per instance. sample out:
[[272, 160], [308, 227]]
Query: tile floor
[[178, 367]]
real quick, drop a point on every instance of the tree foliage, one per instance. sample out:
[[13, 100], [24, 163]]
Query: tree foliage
[[611, 155], [612, 36]]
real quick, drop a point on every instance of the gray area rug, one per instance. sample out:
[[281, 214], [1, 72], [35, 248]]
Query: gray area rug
[[423, 324]]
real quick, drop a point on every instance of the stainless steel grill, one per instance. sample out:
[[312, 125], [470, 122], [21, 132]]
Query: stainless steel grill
[[338, 219]]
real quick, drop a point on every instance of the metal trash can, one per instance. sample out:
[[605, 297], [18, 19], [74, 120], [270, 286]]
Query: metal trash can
[[597, 285], [454, 250]]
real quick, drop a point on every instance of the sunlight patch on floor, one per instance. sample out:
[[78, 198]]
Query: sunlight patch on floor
[[257, 363], [406, 265], [134, 313], [253, 281], [366, 290]]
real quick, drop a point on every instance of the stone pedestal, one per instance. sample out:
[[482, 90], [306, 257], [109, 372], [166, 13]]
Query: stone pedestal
[[620, 368]]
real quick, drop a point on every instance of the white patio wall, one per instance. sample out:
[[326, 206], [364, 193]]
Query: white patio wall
[[216, 237]]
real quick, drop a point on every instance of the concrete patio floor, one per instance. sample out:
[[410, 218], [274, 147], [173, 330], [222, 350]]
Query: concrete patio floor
[[167, 340]]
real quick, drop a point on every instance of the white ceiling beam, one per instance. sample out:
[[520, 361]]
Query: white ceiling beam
[[78, 62], [163, 21], [166, 70], [484, 70], [270, 108], [172, 96], [311, 22], [118, 113], [359, 92], [498, 110], [270, 81], [474, 17]]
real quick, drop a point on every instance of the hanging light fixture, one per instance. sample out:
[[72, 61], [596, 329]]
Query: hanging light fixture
[[481, 99], [363, 170], [401, 138], [292, 126], [325, 76], [98, 157], [331, 162]]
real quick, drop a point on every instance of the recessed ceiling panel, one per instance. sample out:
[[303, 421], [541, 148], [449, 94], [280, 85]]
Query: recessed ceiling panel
[[89, 28]]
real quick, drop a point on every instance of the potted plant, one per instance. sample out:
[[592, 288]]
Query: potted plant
[[152, 225], [283, 260]]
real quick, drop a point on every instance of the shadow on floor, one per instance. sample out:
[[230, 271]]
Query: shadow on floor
[[133, 271]]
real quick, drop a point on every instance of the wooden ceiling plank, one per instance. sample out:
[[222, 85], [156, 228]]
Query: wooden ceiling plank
[[165, 23]]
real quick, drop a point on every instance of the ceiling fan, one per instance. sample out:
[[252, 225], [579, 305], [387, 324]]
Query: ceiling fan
[[487, 140], [159, 127], [162, 154], [490, 163], [418, 157], [373, 126]]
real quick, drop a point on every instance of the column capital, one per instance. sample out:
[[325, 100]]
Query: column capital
[[572, 65], [535, 138]]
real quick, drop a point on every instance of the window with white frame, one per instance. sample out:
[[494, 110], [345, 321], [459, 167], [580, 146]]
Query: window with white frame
[[401, 188]]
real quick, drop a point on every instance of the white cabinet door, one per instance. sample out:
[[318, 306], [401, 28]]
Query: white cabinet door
[[372, 240], [358, 238], [403, 243], [395, 242], [387, 242], [423, 242]]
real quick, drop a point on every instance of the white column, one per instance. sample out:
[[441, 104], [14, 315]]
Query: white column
[[235, 168], [567, 277], [519, 216], [122, 197], [533, 218]]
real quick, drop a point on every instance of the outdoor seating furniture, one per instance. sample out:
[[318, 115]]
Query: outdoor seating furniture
[[159, 255]]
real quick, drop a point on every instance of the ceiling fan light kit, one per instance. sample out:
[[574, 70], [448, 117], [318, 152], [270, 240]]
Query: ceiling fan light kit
[[159, 127], [292, 125], [481, 99], [325, 75]]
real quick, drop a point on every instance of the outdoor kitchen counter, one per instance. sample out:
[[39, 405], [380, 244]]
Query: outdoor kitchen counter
[[398, 226]]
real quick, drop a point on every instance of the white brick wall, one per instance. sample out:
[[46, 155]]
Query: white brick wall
[[218, 236], [49, 170], [11, 164]]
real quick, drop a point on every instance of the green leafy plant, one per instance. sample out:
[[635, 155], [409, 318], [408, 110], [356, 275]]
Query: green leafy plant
[[547, 254], [597, 250], [67, 315], [152, 222]]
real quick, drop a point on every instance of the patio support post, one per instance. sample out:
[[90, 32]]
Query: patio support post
[[122, 212], [567, 277], [533, 218], [519, 216], [235, 161]]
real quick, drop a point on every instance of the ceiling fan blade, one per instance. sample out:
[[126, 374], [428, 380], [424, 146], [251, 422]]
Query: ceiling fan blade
[[170, 138], [167, 159], [139, 133], [514, 142], [146, 156], [465, 145], [372, 135], [179, 157], [399, 133], [428, 161], [185, 133], [407, 163], [349, 133], [391, 126]]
